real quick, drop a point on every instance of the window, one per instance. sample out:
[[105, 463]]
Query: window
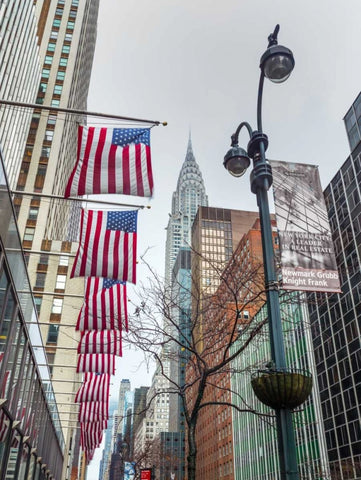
[[44, 259], [55, 102], [49, 134], [40, 177], [60, 282], [52, 120], [57, 305], [75, 3], [60, 75], [56, 23], [59, 11], [45, 151], [51, 47], [48, 59], [64, 260], [40, 280], [33, 213], [70, 25], [72, 14], [54, 35], [51, 358], [38, 301], [68, 37], [65, 49], [63, 62], [29, 234], [45, 73], [53, 333], [58, 89], [43, 87]]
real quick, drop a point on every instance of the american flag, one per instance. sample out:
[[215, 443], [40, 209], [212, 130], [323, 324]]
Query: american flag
[[93, 412], [101, 425], [104, 341], [112, 160], [108, 245], [106, 309], [94, 284], [97, 363], [94, 389], [90, 437]]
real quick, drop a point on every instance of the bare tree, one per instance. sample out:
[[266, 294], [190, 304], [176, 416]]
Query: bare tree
[[200, 338]]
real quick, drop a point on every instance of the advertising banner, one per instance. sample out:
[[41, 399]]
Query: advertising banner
[[129, 470], [307, 256]]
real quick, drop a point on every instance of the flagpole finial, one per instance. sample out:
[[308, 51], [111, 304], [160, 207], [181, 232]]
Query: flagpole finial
[[164, 124]]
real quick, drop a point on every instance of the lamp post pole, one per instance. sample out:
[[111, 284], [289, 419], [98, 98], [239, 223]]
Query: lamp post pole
[[261, 181]]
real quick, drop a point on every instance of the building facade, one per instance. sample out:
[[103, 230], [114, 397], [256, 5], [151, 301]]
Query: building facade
[[254, 437], [31, 438], [66, 31], [336, 319], [20, 75]]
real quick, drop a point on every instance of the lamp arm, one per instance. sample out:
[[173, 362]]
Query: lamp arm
[[235, 136], [259, 102]]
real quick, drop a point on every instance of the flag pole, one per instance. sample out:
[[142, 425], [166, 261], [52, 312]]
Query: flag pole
[[73, 111], [77, 199]]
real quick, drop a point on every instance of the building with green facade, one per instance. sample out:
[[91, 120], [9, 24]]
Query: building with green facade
[[255, 436]]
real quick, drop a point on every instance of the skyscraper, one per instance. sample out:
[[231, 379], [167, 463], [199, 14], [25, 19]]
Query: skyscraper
[[336, 319], [20, 74], [189, 195], [66, 37]]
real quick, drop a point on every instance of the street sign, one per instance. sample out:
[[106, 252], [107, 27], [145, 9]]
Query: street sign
[[146, 474]]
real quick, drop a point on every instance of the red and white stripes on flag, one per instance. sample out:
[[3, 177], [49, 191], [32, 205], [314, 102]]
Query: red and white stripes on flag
[[93, 412], [89, 453], [102, 425], [4, 425], [97, 363], [112, 160], [94, 389], [105, 310], [90, 437], [108, 245], [105, 341]]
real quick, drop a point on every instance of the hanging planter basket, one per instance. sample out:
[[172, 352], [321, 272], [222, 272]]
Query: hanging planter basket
[[282, 388]]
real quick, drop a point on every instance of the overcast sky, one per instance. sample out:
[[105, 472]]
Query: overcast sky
[[195, 64]]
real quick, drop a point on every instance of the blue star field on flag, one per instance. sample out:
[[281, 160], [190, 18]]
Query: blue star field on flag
[[125, 136], [109, 282], [124, 221]]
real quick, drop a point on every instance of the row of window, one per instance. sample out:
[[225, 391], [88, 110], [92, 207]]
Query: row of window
[[21, 386]]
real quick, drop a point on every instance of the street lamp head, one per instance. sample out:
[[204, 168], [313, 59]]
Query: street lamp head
[[277, 63], [236, 161]]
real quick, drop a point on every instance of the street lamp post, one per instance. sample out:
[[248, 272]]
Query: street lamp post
[[276, 64]]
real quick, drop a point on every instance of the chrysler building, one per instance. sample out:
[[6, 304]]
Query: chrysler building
[[189, 195]]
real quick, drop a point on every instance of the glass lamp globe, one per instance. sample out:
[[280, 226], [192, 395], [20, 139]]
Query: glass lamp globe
[[277, 63], [236, 161]]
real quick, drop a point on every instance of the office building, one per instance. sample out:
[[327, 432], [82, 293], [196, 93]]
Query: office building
[[189, 195], [125, 387], [20, 75], [66, 36], [336, 319]]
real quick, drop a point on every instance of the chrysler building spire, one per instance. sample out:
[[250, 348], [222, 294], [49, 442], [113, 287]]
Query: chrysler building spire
[[190, 193]]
